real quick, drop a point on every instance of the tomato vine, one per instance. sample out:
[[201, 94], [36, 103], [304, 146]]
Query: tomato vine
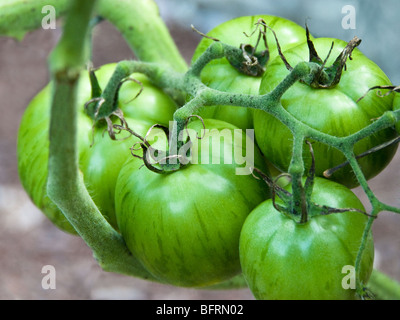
[[149, 38]]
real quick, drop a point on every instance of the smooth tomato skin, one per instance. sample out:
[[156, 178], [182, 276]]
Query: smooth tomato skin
[[32, 156], [220, 75], [333, 111], [99, 163], [184, 226], [283, 260]]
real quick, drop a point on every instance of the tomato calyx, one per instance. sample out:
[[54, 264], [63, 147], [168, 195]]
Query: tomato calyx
[[311, 209], [103, 108], [325, 77], [303, 209], [253, 62], [154, 159], [247, 59], [161, 160]]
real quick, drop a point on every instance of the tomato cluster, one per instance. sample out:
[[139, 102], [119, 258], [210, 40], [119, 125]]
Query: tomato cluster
[[187, 223], [280, 258], [204, 223], [100, 157], [219, 74], [334, 111]]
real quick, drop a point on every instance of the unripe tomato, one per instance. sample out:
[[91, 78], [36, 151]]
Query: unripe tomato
[[284, 260], [184, 226], [99, 163], [221, 75], [334, 111]]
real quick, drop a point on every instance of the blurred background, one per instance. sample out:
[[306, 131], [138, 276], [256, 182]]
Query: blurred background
[[28, 241]]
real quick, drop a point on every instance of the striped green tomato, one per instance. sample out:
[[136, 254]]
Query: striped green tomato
[[221, 75], [284, 260], [99, 163], [184, 226]]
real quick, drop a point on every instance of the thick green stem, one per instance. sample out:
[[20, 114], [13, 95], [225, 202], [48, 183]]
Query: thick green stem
[[138, 21], [65, 184], [214, 51], [17, 17], [388, 119], [296, 171], [144, 30], [140, 24], [374, 213], [109, 102], [270, 103]]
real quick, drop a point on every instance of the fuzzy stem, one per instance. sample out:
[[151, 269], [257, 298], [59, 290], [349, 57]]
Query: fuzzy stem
[[388, 119], [65, 184], [375, 210], [296, 171], [147, 35], [140, 24], [138, 21]]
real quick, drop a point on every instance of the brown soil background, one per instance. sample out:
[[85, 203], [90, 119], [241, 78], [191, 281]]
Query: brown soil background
[[28, 241]]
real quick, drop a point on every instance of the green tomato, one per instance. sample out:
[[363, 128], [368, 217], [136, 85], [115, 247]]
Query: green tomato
[[284, 260], [333, 111], [221, 75], [99, 163], [184, 226]]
